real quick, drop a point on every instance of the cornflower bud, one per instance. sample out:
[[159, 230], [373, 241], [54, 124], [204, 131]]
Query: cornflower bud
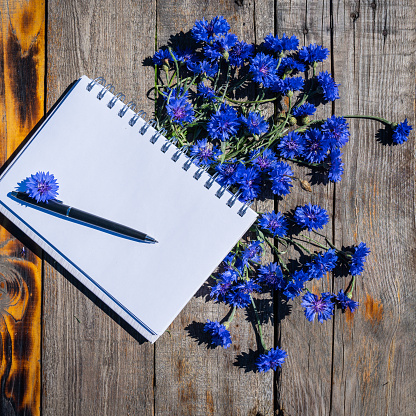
[[292, 120]]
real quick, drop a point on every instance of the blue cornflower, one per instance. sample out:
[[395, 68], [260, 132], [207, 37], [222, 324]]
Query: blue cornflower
[[336, 130], [401, 132], [274, 44], [289, 65], [203, 153], [239, 53], [358, 259], [306, 109], [284, 86], [274, 222], [272, 276], [250, 287], [203, 31], [310, 216], [227, 172], [238, 298], [335, 165], [323, 306], [293, 289], [249, 180], [219, 333], [295, 286], [273, 359], [203, 68], [162, 57], [328, 86], [42, 186], [228, 260], [185, 55], [281, 177], [224, 283], [224, 123], [345, 302], [252, 252], [220, 47], [263, 68], [179, 110], [316, 146], [206, 92], [263, 160], [239, 295], [291, 146], [255, 123], [233, 263], [175, 92], [313, 53], [239, 265], [301, 276], [322, 264]]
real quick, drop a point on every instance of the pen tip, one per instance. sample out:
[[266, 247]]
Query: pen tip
[[150, 240]]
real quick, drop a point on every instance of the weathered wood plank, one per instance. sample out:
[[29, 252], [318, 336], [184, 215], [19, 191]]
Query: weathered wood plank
[[304, 383], [91, 363], [192, 379], [22, 61], [374, 367]]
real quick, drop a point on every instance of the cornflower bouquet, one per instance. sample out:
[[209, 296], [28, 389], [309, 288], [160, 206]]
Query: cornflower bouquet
[[200, 106]]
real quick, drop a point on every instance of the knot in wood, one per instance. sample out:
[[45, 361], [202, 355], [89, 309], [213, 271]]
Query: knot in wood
[[384, 32], [354, 15], [373, 5], [305, 30]]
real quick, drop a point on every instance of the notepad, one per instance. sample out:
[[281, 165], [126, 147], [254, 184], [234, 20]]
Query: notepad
[[111, 162]]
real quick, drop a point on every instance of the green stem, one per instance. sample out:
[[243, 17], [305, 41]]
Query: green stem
[[258, 324], [283, 264], [267, 100], [230, 319], [317, 243], [273, 247], [191, 83], [239, 83], [381, 120], [346, 256], [349, 293], [326, 239], [217, 77], [227, 82], [289, 109], [301, 162], [174, 60], [297, 244]]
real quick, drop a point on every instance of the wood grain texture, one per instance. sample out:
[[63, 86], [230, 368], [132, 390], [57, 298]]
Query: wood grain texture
[[92, 363], [304, 383], [191, 378], [22, 63], [374, 366]]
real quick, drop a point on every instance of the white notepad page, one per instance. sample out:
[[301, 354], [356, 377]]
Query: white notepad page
[[108, 168]]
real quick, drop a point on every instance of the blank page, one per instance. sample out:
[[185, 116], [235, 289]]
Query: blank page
[[109, 168]]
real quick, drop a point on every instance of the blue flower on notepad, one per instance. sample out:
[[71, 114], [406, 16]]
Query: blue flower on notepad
[[42, 186]]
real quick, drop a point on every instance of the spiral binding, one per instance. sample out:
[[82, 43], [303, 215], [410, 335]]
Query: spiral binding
[[169, 142]]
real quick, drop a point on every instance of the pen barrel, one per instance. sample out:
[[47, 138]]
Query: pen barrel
[[105, 224], [51, 205]]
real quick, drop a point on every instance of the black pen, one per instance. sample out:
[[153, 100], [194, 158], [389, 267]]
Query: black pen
[[76, 214]]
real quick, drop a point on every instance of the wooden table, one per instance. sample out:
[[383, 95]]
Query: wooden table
[[62, 353]]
